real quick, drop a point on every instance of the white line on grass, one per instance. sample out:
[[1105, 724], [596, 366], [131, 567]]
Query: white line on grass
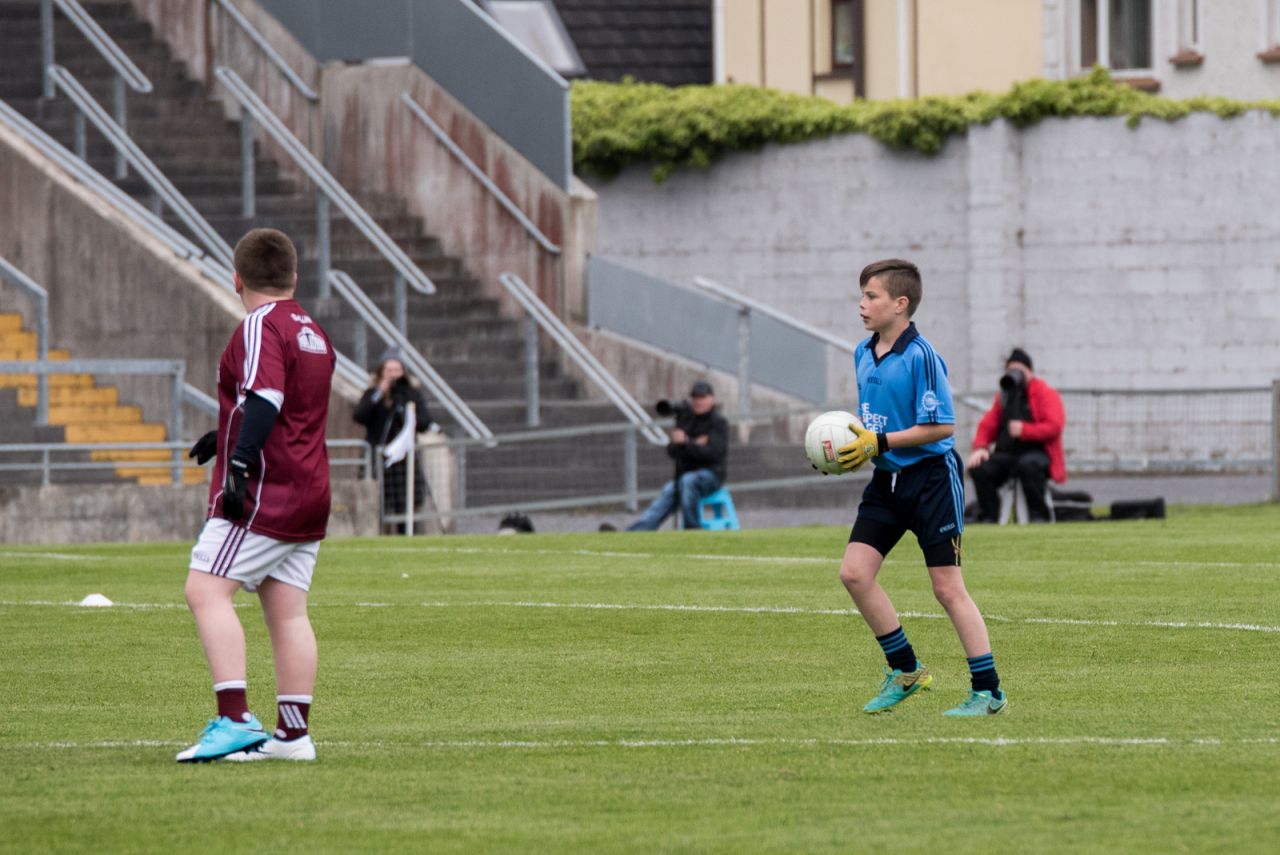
[[795, 610], [721, 742], [58, 556], [678, 607], [786, 559]]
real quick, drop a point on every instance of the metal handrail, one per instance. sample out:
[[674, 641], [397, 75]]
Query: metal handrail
[[479, 174], [329, 187], [156, 179], [41, 298], [270, 52], [94, 180], [744, 302], [105, 45], [414, 361], [125, 70], [746, 307], [538, 312]]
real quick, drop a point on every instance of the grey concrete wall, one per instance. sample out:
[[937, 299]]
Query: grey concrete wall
[[1122, 258], [124, 513]]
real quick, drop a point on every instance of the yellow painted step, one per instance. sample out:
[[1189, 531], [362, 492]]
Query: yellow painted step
[[10, 322], [71, 396], [19, 340], [28, 381], [162, 477], [77, 413], [126, 456], [114, 433]]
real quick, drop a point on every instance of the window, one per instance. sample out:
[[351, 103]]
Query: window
[[1115, 34], [843, 34], [536, 25]]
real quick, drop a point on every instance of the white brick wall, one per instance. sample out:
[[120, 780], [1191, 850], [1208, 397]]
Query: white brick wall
[[1118, 257]]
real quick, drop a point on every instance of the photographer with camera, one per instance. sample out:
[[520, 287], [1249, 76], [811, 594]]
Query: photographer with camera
[[382, 411], [1025, 425], [699, 445]]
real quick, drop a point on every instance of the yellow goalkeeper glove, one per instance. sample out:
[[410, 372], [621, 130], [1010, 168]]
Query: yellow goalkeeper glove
[[866, 446]]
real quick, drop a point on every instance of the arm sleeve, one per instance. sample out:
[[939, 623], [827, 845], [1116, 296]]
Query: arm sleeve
[[1048, 416], [713, 453], [259, 418], [989, 428], [266, 359], [368, 403], [933, 392]]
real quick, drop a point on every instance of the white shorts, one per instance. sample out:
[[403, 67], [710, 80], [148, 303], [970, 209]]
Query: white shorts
[[248, 558]]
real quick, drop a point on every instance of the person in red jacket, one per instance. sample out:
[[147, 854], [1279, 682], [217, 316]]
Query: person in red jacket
[[1025, 427]]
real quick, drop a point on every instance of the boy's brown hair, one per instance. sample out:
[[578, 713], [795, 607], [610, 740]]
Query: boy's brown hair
[[267, 261], [900, 278]]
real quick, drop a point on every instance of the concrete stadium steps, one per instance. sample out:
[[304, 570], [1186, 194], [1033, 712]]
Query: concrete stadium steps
[[80, 412], [461, 330]]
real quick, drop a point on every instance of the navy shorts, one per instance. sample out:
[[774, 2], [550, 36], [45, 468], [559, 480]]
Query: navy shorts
[[926, 498]]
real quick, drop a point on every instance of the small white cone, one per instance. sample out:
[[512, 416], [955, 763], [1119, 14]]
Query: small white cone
[[96, 600]]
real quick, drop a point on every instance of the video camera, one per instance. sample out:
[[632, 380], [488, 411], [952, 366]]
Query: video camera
[[1013, 379], [400, 390], [678, 409]]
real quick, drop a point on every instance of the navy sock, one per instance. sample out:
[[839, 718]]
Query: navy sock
[[898, 651], [982, 671]]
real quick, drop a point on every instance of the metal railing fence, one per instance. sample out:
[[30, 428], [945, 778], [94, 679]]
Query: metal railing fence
[[476, 172], [329, 190], [45, 458], [125, 70], [539, 316], [40, 297], [120, 140], [273, 56]]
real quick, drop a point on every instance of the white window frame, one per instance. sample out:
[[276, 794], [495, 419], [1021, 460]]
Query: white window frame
[[1190, 19], [1270, 23], [1074, 32]]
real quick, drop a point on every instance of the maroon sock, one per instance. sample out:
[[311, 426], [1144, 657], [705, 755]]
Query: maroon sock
[[292, 713], [232, 700]]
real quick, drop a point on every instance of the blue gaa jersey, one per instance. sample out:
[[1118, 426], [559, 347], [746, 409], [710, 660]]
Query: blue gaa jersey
[[907, 387]]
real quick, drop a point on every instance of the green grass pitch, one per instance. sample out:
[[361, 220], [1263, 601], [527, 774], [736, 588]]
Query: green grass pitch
[[666, 693]]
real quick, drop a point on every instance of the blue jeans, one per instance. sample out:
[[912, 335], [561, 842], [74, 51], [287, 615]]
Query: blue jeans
[[694, 486]]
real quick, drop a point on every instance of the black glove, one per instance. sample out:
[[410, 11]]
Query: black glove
[[236, 487], [205, 449]]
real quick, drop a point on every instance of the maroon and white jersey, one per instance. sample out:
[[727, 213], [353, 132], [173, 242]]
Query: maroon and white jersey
[[283, 356]]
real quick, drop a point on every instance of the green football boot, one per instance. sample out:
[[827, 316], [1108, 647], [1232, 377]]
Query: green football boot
[[897, 687], [981, 703]]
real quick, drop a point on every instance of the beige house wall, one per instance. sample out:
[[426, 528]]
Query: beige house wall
[[953, 47], [979, 44]]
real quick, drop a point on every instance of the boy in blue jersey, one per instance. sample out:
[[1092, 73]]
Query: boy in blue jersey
[[908, 420]]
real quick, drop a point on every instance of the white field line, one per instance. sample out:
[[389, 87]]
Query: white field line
[[694, 608], [722, 742], [765, 559], [57, 556]]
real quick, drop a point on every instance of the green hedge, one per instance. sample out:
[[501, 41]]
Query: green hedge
[[616, 125]]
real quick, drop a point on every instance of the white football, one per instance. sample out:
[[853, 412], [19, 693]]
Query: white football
[[825, 435]]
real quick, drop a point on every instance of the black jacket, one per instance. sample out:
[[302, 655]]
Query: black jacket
[[383, 418], [689, 455]]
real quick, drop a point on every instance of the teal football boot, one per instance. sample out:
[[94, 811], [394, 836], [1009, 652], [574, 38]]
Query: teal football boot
[[223, 736], [981, 703], [897, 687]]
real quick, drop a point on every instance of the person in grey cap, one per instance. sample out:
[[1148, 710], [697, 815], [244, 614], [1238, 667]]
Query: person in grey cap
[[1024, 425], [699, 445]]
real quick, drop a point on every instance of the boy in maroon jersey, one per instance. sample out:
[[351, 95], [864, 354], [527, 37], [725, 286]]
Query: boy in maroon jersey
[[268, 505]]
